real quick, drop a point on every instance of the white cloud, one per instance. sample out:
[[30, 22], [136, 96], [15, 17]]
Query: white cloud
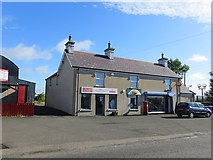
[[61, 45], [198, 58], [198, 78], [26, 53], [6, 23], [84, 45], [195, 9], [38, 70], [42, 70], [27, 70], [6, 19]]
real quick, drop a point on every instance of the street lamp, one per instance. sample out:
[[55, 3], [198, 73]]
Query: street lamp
[[201, 87]]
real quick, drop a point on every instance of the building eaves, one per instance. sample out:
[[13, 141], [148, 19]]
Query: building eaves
[[53, 75]]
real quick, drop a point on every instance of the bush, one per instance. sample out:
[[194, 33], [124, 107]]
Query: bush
[[40, 97]]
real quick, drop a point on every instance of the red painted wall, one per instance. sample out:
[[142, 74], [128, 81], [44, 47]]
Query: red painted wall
[[26, 109]]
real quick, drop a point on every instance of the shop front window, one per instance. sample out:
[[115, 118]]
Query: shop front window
[[86, 101], [112, 101], [156, 103], [133, 81]]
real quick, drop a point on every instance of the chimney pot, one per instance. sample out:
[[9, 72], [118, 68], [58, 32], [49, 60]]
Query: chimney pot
[[163, 61], [69, 45], [109, 44], [109, 52]]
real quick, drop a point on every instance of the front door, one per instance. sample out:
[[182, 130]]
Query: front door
[[100, 101]]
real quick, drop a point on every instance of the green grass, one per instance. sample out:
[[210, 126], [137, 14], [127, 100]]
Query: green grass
[[39, 103]]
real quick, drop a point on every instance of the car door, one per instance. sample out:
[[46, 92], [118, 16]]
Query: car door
[[202, 108], [196, 108]]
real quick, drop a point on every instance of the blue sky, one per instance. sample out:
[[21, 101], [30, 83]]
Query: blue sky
[[33, 34]]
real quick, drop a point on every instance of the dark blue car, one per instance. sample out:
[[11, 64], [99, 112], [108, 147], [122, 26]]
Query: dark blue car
[[192, 109]]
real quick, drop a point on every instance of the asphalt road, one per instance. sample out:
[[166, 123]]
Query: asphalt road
[[184, 147], [152, 136]]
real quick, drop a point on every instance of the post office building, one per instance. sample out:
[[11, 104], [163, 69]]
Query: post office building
[[89, 84]]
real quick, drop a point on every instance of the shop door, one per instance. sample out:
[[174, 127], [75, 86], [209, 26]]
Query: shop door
[[100, 101]]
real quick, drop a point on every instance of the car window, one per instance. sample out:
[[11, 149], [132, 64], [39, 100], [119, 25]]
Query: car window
[[194, 105], [182, 105], [200, 105]]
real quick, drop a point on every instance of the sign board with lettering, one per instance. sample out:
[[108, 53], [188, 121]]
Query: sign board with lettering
[[4, 74], [94, 90]]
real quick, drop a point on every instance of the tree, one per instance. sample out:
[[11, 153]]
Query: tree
[[178, 68], [40, 97], [209, 94]]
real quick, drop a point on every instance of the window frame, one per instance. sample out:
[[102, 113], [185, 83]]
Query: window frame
[[89, 107], [115, 96], [98, 78], [132, 81], [134, 106], [168, 83]]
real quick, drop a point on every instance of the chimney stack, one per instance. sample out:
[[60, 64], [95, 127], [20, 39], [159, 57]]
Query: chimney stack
[[163, 61], [69, 45], [109, 52]]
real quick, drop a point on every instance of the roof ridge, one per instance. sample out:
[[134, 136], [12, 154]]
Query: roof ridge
[[84, 52], [90, 53], [134, 60]]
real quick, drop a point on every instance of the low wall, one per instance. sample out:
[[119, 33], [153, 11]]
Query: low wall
[[25, 109]]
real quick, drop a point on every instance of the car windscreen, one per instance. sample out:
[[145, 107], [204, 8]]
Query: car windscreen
[[200, 105]]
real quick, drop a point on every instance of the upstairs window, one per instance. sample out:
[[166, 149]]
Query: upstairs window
[[133, 81], [168, 84], [100, 79]]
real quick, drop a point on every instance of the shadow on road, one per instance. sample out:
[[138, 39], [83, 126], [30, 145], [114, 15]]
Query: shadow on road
[[174, 117], [44, 111], [184, 117]]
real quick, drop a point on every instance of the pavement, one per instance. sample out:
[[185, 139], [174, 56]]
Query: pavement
[[38, 135]]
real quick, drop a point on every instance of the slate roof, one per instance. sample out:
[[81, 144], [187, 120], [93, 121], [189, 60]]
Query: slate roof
[[97, 61]]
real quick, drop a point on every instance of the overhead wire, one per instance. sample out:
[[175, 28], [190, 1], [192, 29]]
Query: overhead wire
[[177, 40]]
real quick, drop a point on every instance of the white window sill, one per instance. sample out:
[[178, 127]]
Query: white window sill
[[133, 109], [154, 112], [111, 110], [99, 86], [85, 110]]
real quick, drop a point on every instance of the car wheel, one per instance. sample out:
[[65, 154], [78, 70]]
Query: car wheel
[[208, 114], [179, 115], [191, 115]]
